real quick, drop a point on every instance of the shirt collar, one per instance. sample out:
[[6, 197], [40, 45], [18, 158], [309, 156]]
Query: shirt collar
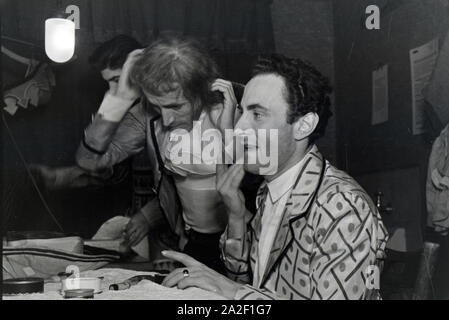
[[285, 182]]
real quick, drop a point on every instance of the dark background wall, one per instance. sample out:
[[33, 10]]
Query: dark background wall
[[385, 157], [305, 29], [358, 52], [49, 135], [388, 157]]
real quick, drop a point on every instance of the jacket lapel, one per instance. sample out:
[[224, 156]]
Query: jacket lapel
[[297, 206], [166, 189]]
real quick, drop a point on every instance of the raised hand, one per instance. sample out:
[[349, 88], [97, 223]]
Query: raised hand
[[136, 229], [227, 114], [125, 89], [228, 182]]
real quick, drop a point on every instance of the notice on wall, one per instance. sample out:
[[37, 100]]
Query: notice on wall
[[437, 93], [423, 60], [380, 96]]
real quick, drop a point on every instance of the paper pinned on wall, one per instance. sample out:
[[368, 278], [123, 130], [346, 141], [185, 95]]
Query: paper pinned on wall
[[423, 60], [437, 93], [380, 96]]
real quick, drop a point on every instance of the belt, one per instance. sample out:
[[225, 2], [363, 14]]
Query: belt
[[203, 237]]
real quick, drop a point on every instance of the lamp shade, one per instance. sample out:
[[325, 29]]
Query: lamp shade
[[59, 39]]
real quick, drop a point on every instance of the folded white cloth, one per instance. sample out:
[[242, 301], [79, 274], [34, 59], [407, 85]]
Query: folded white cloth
[[110, 236], [68, 244]]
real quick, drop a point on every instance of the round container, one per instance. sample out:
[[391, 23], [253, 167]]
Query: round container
[[81, 283], [79, 294], [23, 286]]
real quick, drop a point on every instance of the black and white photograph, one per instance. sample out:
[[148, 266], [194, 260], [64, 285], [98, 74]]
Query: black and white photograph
[[239, 151]]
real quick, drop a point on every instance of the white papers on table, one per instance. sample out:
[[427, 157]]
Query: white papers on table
[[423, 60], [380, 96]]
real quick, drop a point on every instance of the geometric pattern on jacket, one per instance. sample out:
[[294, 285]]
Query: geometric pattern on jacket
[[324, 253]]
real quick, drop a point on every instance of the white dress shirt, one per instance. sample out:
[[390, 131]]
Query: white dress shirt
[[278, 193], [203, 209]]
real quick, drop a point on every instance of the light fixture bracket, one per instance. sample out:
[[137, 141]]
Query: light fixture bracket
[[73, 12]]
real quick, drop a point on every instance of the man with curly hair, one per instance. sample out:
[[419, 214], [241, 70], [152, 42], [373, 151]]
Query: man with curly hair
[[316, 234]]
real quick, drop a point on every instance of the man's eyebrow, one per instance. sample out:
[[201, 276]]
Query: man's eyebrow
[[113, 78], [256, 106], [173, 105]]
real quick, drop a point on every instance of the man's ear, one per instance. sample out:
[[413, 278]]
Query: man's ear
[[305, 126]]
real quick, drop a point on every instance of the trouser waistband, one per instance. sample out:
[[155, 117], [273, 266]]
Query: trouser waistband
[[204, 238]]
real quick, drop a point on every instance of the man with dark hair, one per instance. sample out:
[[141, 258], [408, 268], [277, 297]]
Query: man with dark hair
[[316, 234], [113, 53], [179, 83], [109, 59]]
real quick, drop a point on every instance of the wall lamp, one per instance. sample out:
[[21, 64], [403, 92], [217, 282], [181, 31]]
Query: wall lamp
[[60, 34]]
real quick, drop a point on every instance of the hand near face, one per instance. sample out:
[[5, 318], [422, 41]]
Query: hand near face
[[136, 229], [125, 89], [228, 185], [199, 276], [227, 115]]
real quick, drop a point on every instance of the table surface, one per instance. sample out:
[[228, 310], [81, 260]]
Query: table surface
[[145, 290]]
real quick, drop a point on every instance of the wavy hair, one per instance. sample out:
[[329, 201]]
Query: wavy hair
[[174, 62], [307, 90]]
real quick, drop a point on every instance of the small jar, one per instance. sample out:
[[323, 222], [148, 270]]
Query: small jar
[[79, 294]]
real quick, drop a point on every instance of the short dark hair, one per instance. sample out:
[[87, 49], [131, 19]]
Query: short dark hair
[[113, 53], [307, 90], [173, 62]]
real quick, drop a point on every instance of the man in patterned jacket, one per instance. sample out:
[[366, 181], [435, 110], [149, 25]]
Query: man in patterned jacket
[[316, 234]]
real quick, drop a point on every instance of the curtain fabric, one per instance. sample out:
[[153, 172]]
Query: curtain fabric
[[228, 26]]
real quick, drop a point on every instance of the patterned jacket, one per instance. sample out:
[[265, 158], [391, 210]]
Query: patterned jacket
[[330, 239]]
